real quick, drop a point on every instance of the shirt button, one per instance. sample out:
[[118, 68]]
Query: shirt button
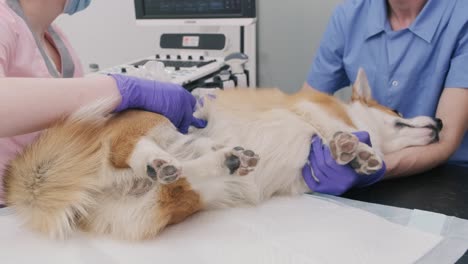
[[395, 83]]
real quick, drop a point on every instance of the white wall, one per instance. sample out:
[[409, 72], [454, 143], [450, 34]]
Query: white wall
[[106, 33], [289, 34]]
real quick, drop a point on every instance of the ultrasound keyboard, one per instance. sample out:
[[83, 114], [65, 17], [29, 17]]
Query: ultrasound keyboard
[[181, 69], [178, 64]]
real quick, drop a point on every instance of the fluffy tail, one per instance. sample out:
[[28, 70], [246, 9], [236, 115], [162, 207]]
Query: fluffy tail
[[51, 184]]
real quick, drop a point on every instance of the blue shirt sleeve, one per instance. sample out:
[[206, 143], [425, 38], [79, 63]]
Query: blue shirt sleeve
[[457, 76], [327, 72]]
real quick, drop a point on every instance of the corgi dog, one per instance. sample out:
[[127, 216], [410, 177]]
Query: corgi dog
[[130, 175]]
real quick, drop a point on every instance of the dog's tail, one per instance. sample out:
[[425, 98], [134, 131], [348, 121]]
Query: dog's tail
[[51, 184]]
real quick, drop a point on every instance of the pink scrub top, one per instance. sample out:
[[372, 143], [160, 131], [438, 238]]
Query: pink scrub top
[[22, 56]]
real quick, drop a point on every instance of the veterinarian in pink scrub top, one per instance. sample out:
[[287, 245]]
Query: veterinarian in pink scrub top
[[30, 46], [32, 50]]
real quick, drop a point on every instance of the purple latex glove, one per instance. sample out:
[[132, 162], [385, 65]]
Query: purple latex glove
[[167, 99], [335, 179]]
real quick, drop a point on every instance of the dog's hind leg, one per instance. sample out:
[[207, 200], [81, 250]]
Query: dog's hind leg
[[162, 154], [220, 177], [150, 160], [235, 161]]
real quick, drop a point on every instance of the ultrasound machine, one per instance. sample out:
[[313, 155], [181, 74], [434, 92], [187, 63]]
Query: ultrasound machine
[[201, 43]]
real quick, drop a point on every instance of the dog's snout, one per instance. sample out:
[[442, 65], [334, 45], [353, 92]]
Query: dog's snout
[[439, 124]]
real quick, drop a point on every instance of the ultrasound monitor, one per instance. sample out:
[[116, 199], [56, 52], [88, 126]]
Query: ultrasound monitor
[[196, 12]]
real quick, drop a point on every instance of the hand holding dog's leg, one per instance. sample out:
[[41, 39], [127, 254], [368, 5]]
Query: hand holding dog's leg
[[355, 149], [323, 174]]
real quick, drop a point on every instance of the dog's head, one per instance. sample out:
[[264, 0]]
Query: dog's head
[[393, 131]]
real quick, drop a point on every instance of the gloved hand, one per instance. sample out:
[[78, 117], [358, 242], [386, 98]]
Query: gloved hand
[[167, 99], [335, 179]]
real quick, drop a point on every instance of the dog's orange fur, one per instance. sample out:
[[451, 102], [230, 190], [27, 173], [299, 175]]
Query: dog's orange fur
[[45, 193], [329, 103], [176, 201], [87, 142], [125, 130], [267, 99]]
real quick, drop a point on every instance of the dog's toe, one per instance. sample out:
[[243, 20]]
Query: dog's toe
[[162, 171], [241, 161], [168, 174], [366, 162], [343, 147], [232, 162]]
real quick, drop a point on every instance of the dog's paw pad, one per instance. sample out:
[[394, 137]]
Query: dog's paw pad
[[243, 171], [232, 162], [241, 161], [374, 163], [343, 147], [366, 162], [162, 171]]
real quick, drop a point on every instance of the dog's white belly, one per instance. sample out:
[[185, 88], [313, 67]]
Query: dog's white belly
[[280, 138]]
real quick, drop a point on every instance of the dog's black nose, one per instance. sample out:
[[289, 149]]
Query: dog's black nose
[[435, 136], [439, 124]]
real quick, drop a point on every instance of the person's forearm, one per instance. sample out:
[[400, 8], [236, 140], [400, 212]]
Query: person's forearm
[[416, 160], [30, 104], [453, 110]]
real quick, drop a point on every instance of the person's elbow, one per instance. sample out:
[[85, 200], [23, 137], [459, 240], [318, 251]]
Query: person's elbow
[[306, 86], [449, 144], [309, 88]]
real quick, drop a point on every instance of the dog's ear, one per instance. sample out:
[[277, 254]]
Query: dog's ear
[[361, 88]]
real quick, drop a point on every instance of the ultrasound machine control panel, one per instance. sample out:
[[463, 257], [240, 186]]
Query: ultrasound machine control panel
[[196, 45]]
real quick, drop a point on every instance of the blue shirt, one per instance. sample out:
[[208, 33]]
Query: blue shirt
[[407, 69]]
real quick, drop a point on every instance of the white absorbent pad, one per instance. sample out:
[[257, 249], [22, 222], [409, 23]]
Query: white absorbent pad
[[297, 230]]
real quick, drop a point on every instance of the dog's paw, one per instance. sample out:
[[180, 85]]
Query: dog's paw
[[343, 147], [241, 161], [162, 171], [367, 161], [346, 148]]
